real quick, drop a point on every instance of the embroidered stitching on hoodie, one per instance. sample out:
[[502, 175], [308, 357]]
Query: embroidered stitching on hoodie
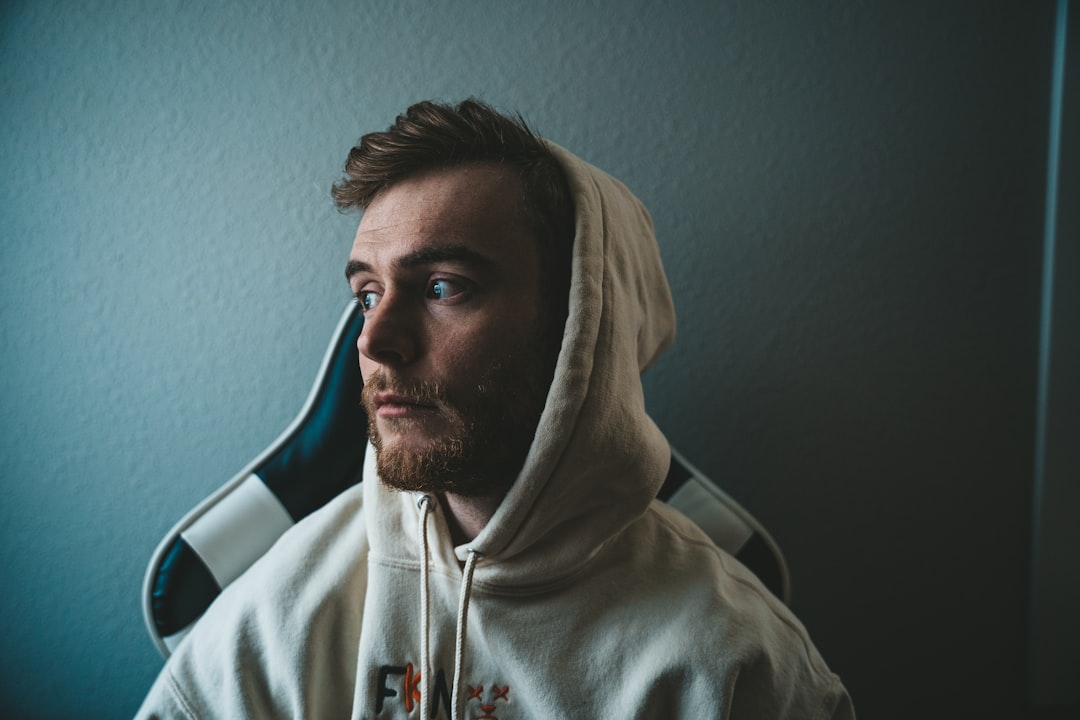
[[408, 691]]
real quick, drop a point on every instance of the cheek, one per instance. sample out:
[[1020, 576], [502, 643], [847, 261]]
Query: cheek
[[458, 359], [465, 357]]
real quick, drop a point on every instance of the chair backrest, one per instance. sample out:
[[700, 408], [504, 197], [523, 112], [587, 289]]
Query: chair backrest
[[321, 454]]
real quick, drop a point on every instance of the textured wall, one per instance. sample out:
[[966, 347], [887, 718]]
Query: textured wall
[[849, 205]]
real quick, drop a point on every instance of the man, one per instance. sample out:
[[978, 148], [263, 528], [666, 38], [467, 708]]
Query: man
[[504, 556]]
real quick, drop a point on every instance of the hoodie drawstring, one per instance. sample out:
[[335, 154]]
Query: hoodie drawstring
[[462, 623], [425, 607], [424, 503]]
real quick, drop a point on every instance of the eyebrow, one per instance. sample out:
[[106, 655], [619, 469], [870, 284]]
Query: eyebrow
[[428, 256]]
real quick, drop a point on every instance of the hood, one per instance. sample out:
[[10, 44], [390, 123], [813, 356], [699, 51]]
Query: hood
[[598, 459]]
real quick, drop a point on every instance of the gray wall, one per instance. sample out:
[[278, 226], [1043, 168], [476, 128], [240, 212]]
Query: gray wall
[[1054, 669], [849, 200]]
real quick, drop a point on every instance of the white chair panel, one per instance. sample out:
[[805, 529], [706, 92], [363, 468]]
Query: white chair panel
[[238, 530]]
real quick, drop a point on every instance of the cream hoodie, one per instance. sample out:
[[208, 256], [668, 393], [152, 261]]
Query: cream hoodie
[[582, 598]]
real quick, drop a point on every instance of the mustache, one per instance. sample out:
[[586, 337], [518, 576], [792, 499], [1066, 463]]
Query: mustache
[[421, 392]]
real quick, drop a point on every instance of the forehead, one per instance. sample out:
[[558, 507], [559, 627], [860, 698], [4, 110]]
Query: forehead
[[476, 206]]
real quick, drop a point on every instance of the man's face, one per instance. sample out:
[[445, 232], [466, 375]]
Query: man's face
[[456, 351]]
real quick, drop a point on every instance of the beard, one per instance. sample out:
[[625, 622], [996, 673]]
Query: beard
[[487, 428]]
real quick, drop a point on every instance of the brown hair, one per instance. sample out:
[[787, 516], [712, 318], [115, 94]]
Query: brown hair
[[433, 135]]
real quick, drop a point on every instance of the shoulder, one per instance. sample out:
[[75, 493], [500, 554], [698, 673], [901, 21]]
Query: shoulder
[[727, 632], [253, 645], [324, 551]]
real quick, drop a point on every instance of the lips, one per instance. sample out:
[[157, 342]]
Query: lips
[[395, 405]]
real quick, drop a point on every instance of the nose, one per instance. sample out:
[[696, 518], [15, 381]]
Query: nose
[[388, 336]]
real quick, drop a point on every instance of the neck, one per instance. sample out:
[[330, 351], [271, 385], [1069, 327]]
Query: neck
[[467, 516]]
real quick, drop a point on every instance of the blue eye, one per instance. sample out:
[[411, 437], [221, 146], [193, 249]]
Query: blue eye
[[443, 289], [368, 300]]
